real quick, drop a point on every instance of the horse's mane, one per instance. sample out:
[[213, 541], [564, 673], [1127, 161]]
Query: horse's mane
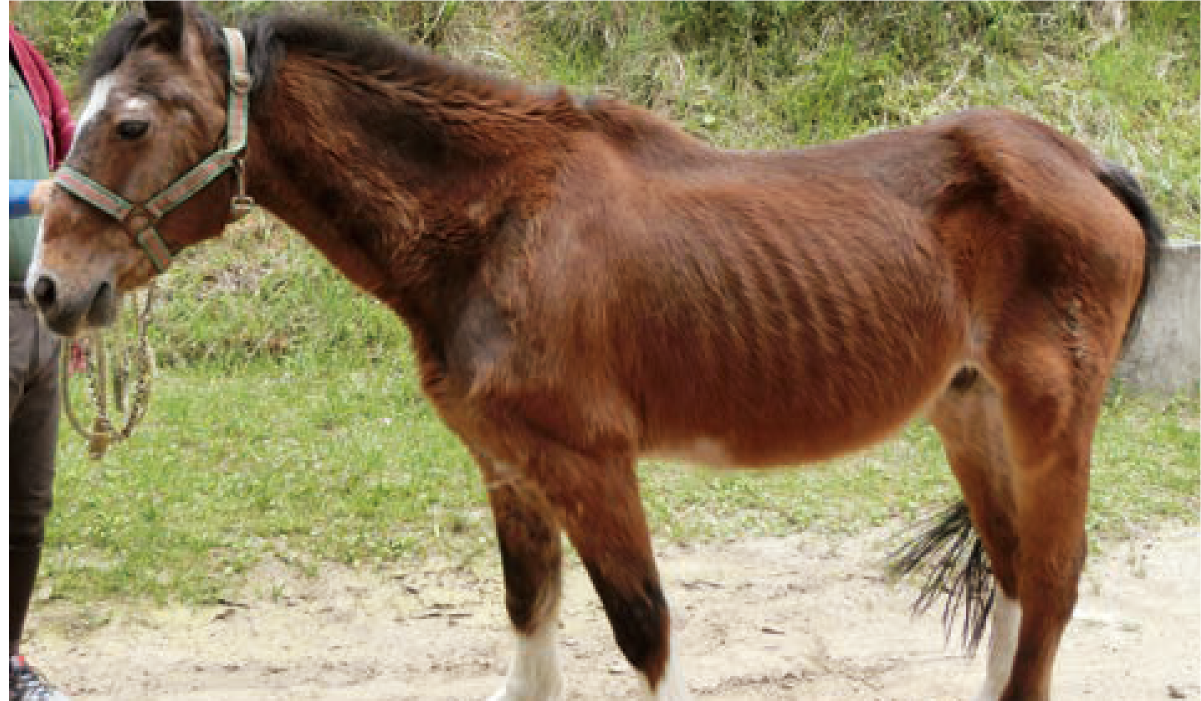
[[272, 37], [373, 52]]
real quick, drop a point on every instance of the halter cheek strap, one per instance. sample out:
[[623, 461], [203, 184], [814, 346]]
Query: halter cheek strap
[[141, 219]]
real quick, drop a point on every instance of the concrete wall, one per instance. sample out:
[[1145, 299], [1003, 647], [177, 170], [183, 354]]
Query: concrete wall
[[1165, 355]]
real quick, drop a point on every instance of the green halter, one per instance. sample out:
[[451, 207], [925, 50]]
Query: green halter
[[141, 219]]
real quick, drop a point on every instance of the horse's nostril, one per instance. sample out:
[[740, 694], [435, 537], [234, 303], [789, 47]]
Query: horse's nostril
[[104, 295], [43, 292]]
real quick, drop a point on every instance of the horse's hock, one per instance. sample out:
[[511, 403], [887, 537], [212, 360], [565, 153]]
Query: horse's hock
[[1165, 354]]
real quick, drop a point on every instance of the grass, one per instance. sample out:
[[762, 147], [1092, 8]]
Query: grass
[[262, 295], [346, 463], [286, 420], [338, 465]]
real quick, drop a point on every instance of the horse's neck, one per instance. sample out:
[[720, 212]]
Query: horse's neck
[[387, 211]]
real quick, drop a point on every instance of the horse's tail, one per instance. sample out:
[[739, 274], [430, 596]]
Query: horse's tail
[[948, 553], [1125, 187]]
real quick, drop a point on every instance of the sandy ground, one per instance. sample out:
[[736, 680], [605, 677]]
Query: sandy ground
[[788, 618]]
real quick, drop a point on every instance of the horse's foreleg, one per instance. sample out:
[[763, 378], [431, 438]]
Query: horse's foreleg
[[598, 504], [531, 558]]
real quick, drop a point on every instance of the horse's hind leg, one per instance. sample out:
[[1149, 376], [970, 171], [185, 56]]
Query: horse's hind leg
[[1020, 450], [1048, 361], [531, 558], [1051, 398], [969, 420]]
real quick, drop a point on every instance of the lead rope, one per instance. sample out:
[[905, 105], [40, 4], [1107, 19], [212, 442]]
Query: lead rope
[[127, 362], [142, 222]]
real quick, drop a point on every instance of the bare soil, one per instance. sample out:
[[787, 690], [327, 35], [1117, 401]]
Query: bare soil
[[803, 617]]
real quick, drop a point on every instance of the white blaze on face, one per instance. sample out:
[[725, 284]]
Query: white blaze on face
[[96, 102], [101, 93]]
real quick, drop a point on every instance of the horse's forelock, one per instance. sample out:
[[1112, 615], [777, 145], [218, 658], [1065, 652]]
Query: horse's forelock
[[112, 49], [124, 36]]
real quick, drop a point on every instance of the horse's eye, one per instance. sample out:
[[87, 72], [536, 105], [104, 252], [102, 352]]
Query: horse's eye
[[131, 129]]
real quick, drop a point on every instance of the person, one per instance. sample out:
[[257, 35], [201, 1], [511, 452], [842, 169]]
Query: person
[[40, 130]]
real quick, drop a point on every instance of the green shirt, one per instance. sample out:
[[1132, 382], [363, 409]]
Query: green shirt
[[27, 160]]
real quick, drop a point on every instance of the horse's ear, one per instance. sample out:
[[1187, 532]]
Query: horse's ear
[[165, 25]]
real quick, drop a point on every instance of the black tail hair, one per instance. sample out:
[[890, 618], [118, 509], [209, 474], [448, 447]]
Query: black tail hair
[[1125, 187], [950, 555]]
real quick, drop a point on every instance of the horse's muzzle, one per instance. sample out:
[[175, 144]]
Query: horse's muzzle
[[70, 314]]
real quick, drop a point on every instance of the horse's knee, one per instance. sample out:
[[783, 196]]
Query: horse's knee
[[610, 534], [594, 498]]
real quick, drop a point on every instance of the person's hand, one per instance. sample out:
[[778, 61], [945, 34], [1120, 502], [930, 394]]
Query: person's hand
[[40, 197]]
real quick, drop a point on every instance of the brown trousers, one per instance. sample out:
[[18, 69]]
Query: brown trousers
[[33, 406]]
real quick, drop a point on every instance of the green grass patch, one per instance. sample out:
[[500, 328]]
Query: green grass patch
[[342, 465], [261, 294], [782, 75], [346, 463]]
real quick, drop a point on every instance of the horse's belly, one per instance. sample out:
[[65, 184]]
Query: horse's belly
[[826, 406], [775, 445], [786, 351]]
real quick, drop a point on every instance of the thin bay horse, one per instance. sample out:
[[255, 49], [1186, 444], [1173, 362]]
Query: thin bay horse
[[586, 284]]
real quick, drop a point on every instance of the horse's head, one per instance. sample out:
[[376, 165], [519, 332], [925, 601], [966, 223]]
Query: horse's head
[[129, 193]]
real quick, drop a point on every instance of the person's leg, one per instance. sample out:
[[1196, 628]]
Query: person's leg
[[33, 428]]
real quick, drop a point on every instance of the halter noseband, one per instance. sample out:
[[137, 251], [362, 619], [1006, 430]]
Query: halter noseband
[[141, 219]]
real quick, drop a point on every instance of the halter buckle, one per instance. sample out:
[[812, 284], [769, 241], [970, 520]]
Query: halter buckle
[[241, 203], [240, 206], [242, 81]]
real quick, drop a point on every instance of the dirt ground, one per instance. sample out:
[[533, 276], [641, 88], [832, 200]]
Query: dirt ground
[[802, 617]]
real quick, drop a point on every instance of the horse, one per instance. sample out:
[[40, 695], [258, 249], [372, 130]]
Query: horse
[[586, 284]]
